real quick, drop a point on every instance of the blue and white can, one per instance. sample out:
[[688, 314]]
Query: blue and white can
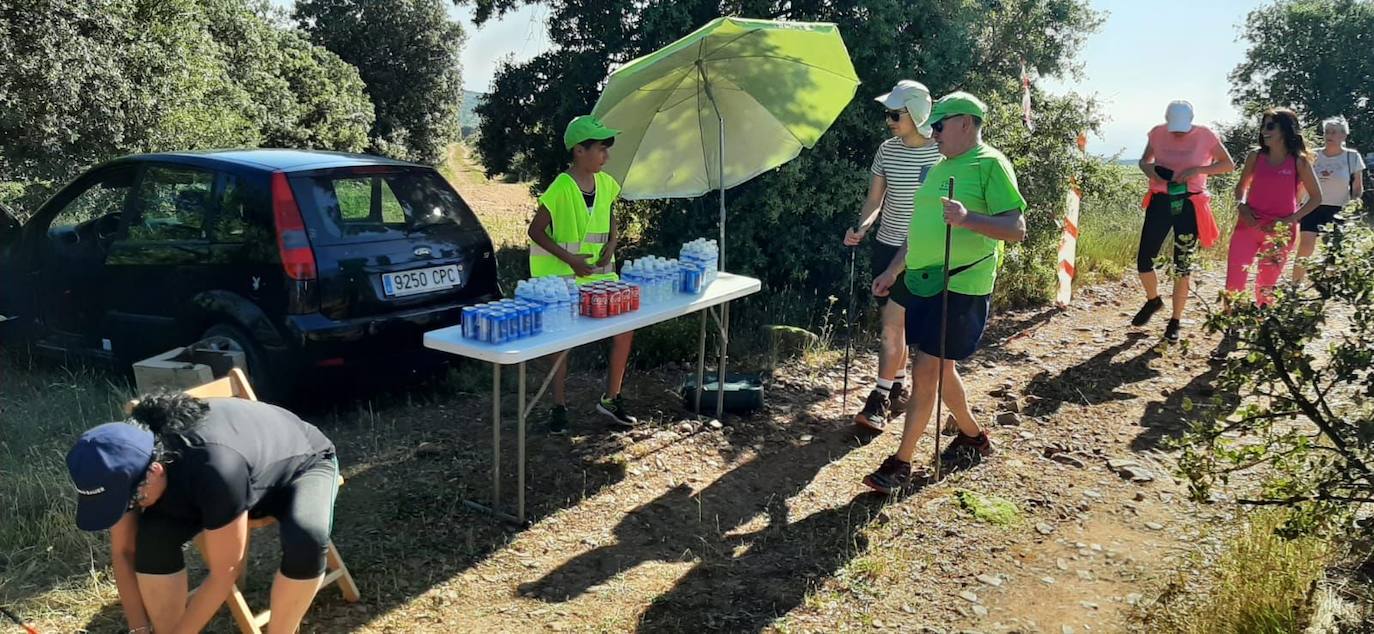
[[469, 322]]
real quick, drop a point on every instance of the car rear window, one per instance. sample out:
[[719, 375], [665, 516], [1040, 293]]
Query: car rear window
[[371, 205]]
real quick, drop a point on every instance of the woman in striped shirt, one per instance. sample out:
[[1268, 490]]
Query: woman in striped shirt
[[899, 167]]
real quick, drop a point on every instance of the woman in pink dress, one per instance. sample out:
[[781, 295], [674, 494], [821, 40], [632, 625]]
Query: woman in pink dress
[[1267, 204]]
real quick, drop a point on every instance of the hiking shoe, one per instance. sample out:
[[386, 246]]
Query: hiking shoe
[[962, 446], [896, 399], [874, 414], [1171, 331], [558, 420], [1147, 311], [892, 475], [614, 409]]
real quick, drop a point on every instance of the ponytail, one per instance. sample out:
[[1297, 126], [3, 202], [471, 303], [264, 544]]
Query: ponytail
[[168, 414]]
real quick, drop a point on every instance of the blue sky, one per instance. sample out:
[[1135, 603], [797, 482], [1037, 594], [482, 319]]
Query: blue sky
[[1145, 54]]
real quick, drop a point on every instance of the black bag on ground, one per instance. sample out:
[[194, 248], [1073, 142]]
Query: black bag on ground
[[743, 392]]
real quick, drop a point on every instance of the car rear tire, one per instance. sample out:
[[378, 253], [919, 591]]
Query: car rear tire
[[227, 337]]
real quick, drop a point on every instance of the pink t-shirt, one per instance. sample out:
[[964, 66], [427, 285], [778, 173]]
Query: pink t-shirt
[[1180, 152], [1274, 190]]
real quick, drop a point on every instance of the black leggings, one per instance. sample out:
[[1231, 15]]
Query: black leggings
[[305, 518], [1159, 221]]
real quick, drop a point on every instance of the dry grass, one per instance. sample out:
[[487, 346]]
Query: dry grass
[[42, 409], [1259, 585]]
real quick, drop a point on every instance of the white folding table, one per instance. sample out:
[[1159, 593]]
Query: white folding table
[[714, 301]]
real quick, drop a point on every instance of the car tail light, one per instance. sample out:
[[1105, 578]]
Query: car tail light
[[296, 256]]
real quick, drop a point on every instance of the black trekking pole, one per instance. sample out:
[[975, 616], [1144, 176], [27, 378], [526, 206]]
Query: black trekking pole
[[944, 324], [849, 328]]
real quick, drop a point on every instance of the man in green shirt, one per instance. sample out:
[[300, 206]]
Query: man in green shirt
[[984, 210]]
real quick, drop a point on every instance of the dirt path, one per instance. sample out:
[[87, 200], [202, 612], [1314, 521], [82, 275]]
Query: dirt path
[[763, 524]]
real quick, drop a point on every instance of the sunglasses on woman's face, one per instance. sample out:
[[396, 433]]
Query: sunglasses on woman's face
[[895, 115], [1270, 125]]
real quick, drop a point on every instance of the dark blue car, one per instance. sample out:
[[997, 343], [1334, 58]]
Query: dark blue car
[[301, 259]]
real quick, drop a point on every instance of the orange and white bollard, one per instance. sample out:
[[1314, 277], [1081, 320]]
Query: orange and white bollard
[[1068, 242]]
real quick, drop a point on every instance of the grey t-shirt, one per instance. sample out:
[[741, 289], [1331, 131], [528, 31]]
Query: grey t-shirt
[[1333, 172], [236, 459]]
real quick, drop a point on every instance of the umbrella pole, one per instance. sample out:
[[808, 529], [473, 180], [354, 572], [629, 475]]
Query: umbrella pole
[[725, 308]]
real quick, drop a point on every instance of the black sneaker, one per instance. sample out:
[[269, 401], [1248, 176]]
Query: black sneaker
[[614, 408], [892, 475], [1171, 331], [963, 446], [896, 399], [874, 414], [558, 420], [1147, 311]]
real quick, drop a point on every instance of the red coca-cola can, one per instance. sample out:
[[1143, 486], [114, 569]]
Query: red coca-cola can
[[626, 298], [634, 297], [600, 304], [585, 294], [613, 301]]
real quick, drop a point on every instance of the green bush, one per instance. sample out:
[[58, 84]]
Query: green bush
[[90, 80]]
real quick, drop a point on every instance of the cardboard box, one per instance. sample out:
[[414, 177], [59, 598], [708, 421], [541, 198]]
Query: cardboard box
[[182, 368]]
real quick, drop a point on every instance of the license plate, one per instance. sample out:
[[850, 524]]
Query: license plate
[[420, 281]]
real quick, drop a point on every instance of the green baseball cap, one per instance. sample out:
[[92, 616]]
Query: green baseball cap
[[586, 128], [957, 103]]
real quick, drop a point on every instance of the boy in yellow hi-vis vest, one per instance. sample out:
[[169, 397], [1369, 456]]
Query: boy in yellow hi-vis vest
[[573, 234]]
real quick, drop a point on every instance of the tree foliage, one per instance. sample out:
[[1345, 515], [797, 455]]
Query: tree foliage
[[407, 52], [82, 81], [785, 226], [1294, 400], [1316, 56]]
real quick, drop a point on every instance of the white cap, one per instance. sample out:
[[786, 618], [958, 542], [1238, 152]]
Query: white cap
[[915, 97], [1179, 116]]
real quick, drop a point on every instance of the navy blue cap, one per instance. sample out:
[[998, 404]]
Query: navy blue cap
[[106, 464]]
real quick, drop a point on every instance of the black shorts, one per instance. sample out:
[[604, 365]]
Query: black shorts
[[879, 257], [1320, 219], [305, 518], [966, 321]]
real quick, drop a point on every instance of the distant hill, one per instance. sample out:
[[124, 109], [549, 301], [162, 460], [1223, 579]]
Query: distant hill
[[468, 118]]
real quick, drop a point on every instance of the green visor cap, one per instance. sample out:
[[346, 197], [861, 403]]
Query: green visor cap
[[586, 128], [957, 103]]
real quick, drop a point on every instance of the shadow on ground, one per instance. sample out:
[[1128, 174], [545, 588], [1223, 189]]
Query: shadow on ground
[[754, 562], [1096, 380]]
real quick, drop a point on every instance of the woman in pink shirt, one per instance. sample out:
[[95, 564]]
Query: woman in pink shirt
[[1268, 213], [1177, 160]]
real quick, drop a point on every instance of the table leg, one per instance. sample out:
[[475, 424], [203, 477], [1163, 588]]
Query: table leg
[[520, 451], [724, 348], [701, 362], [495, 437]]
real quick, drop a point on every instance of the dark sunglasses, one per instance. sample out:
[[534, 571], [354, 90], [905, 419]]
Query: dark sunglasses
[[895, 115], [1271, 125], [939, 126]]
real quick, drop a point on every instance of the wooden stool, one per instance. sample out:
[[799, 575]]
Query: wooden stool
[[250, 623], [235, 385]]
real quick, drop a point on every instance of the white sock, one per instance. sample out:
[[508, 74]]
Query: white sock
[[901, 378], [884, 386]]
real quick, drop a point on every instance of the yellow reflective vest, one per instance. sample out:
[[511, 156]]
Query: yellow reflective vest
[[575, 228]]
